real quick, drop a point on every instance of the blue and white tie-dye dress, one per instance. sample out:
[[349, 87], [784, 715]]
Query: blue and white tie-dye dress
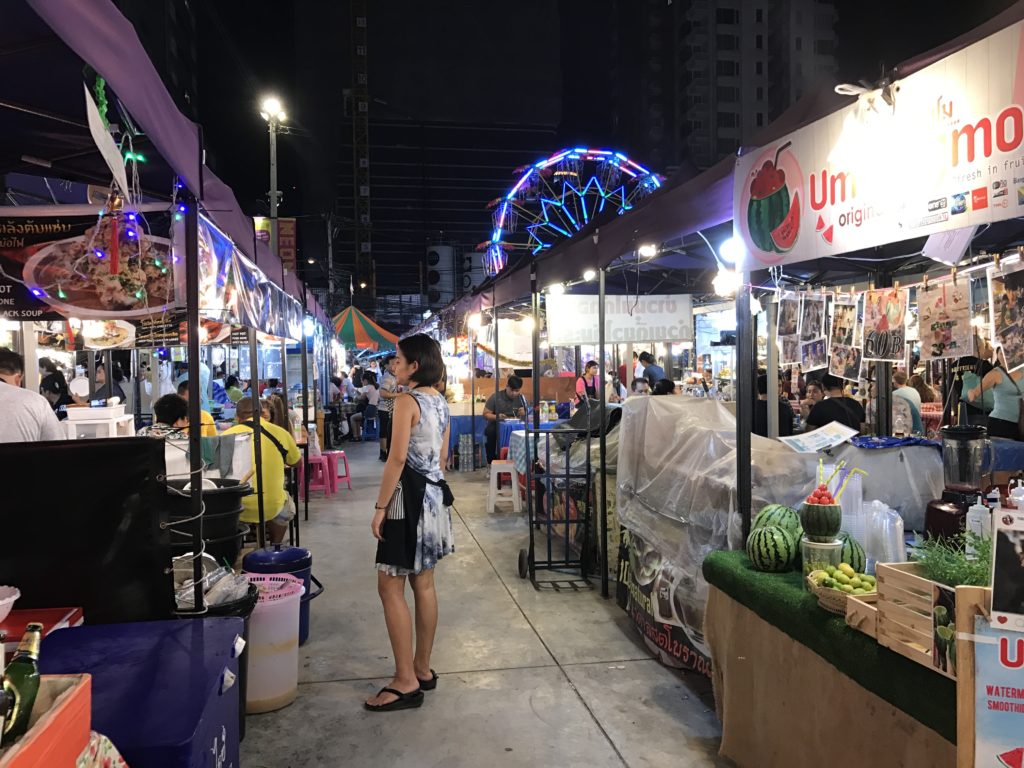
[[434, 537]]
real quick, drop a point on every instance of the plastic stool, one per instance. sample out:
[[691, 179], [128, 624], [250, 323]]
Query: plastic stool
[[494, 493], [320, 479], [371, 429], [502, 454], [335, 460]]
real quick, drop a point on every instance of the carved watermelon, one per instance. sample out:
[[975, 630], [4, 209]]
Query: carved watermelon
[[784, 235]]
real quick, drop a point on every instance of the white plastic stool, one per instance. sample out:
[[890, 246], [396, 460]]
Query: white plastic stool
[[494, 494]]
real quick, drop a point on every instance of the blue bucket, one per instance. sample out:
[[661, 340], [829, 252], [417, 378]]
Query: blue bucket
[[296, 561]]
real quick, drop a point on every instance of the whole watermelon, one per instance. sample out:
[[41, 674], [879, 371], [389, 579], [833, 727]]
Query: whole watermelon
[[771, 548], [852, 552], [783, 517]]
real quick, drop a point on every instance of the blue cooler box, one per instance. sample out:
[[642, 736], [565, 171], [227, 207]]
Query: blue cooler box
[[156, 687]]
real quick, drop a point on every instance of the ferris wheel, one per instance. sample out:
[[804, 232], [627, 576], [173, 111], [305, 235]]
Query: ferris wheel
[[557, 197]]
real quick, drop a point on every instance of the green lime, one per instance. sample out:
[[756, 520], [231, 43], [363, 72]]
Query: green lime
[[858, 591], [847, 589], [842, 578], [856, 582]]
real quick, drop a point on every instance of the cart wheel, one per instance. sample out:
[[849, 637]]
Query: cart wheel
[[524, 563]]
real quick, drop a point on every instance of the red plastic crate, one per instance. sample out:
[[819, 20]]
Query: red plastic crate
[[61, 723]]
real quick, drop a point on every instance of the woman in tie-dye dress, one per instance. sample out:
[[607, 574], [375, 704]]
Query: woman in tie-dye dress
[[419, 437]]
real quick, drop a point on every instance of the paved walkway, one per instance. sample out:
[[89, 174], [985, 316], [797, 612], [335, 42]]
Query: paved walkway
[[528, 678]]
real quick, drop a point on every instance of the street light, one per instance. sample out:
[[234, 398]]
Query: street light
[[272, 111]]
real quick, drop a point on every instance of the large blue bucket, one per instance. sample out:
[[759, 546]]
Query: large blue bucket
[[296, 561]]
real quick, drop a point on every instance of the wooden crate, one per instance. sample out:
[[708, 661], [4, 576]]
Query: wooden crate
[[970, 602], [862, 613], [906, 601]]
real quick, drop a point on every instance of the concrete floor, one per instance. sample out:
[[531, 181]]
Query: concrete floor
[[527, 678]]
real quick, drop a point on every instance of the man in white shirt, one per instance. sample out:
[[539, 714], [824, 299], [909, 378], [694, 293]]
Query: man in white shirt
[[25, 416]]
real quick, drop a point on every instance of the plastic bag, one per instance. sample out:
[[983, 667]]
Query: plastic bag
[[883, 540]]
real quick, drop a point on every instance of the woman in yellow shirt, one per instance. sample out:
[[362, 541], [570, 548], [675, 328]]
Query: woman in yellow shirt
[[207, 426]]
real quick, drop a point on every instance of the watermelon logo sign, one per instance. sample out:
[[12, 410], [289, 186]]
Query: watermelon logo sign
[[772, 224], [998, 695]]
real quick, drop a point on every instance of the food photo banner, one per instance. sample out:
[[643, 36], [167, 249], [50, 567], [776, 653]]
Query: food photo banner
[[844, 350], [1006, 308], [937, 151], [115, 266], [573, 319], [944, 320]]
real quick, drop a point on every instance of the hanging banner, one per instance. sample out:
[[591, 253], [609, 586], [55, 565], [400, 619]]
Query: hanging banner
[[998, 695], [117, 266], [572, 319], [885, 313], [937, 151], [844, 354], [1006, 312], [787, 330], [944, 320], [287, 242]]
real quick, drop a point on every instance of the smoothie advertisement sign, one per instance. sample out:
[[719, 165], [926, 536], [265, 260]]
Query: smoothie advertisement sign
[[939, 150]]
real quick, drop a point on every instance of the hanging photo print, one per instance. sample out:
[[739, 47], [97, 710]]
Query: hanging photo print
[[844, 357], [1006, 305], [885, 313], [788, 331], [812, 317], [944, 320], [812, 355]]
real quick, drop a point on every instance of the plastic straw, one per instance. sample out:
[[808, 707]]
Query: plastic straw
[[847, 480], [835, 471]]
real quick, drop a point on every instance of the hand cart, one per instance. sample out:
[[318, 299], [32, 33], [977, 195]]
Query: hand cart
[[558, 503]]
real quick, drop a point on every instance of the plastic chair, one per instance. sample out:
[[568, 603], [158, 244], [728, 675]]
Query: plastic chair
[[371, 426], [320, 477], [503, 455], [335, 461], [494, 493]]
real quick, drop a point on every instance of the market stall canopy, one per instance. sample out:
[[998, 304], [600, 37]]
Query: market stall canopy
[[45, 126], [354, 329]]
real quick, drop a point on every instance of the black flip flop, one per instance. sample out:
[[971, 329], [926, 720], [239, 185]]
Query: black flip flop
[[409, 700], [428, 685]]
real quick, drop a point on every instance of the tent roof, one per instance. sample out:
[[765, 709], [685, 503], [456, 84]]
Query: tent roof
[[354, 329]]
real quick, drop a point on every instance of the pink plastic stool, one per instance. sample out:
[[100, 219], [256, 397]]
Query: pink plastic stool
[[335, 460], [320, 477]]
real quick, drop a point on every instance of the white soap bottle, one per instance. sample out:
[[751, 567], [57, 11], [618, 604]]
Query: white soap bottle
[[979, 522]]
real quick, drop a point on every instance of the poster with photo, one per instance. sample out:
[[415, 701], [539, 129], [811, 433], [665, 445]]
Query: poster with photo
[[812, 317], [885, 314], [788, 329], [999, 702], [845, 361], [812, 355], [1006, 309], [944, 320], [844, 320]]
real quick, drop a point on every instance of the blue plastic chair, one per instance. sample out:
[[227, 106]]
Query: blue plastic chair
[[371, 424]]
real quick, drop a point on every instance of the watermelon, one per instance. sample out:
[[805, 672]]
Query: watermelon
[[784, 235], [771, 548], [782, 516], [765, 214], [821, 522], [852, 552], [1014, 758]]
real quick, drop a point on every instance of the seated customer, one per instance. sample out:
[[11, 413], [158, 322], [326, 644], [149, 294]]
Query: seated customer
[[207, 427], [836, 407], [664, 387], [901, 388], [640, 387], [761, 411], [170, 418], [370, 394], [277, 450]]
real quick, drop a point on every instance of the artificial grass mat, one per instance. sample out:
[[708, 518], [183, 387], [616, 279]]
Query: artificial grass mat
[[779, 599]]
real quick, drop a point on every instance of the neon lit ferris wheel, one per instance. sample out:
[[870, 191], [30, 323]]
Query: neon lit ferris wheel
[[557, 197]]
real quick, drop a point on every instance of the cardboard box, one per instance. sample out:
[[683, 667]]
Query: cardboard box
[[60, 725]]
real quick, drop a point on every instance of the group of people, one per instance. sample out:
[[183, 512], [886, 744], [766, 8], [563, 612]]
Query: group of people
[[374, 398]]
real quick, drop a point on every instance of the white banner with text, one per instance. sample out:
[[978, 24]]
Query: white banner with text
[[628, 319]]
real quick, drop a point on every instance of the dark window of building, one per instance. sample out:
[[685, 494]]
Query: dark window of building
[[727, 68], [728, 119], [799, 44], [727, 93], [759, 68], [759, 15], [824, 47], [727, 42], [760, 119], [759, 42], [727, 16]]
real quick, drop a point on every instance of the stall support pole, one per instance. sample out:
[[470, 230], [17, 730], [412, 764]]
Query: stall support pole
[[195, 446], [284, 374], [744, 405], [531, 450], [497, 364], [257, 435], [773, 371], [883, 379], [602, 523], [305, 414], [90, 362], [472, 391]]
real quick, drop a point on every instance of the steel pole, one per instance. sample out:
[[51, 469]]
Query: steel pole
[[195, 446], [602, 523], [744, 403], [272, 124], [257, 434]]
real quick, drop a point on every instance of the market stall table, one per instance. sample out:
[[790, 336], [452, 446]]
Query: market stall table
[[517, 444], [463, 425], [507, 427], [794, 685]]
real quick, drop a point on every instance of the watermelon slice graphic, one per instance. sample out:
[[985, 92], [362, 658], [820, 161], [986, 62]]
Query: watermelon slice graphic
[[820, 225], [1012, 759], [827, 234]]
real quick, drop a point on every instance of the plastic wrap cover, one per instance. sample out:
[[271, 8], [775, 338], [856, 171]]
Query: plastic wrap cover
[[677, 477]]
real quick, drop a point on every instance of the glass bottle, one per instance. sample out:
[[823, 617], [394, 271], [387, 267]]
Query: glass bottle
[[21, 682]]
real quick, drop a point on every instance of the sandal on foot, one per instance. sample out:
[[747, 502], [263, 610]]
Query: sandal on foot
[[409, 700], [428, 685]]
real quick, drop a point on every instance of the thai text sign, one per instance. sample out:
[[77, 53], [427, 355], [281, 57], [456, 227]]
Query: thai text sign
[[573, 319], [948, 153]]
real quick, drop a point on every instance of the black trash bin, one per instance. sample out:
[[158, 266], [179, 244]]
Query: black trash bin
[[242, 608]]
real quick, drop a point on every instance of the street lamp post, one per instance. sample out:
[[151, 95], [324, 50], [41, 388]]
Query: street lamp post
[[272, 111]]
